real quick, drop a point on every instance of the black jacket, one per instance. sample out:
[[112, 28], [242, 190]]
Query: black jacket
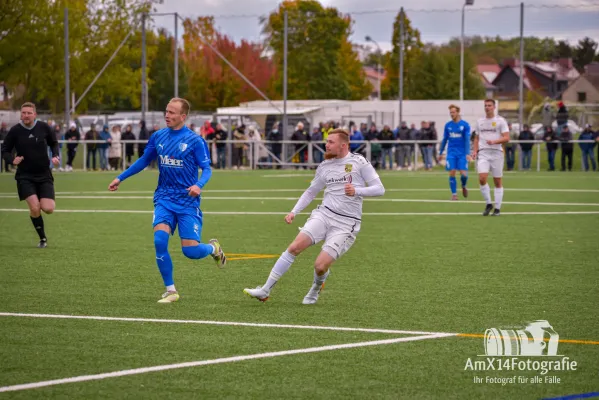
[[32, 144], [550, 137], [566, 139], [526, 135]]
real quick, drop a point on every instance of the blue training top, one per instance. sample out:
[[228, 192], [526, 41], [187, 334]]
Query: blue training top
[[457, 134], [179, 154]]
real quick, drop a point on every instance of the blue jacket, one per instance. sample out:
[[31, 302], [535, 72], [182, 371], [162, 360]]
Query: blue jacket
[[354, 140], [105, 135], [587, 135]]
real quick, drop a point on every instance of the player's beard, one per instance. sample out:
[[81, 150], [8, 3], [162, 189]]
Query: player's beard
[[328, 155]]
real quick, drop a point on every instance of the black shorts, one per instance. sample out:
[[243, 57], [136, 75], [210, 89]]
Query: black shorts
[[43, 187]]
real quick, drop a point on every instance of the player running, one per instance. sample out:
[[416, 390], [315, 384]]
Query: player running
[[491, 132], [347, 178], [179, 152], [35, 184], [457, 138]]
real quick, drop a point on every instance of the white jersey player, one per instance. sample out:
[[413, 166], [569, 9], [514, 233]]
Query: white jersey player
[[346, 179], [491, 132]]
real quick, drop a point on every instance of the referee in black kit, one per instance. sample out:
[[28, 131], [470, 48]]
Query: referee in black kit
[[35, 183]]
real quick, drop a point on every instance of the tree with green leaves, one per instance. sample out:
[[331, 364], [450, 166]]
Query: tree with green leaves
[[162, 72], [584, 53], [438, 76], [412, 48], [32, 51], [321, 62]]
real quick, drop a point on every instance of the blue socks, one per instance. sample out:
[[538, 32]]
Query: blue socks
[[464, 179], [163, 259], [453, 184], [196, 252]]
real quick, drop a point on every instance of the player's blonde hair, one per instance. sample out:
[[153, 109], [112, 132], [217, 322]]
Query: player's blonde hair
[[28, 104], [343, 134], [185, 106], [454, 107]]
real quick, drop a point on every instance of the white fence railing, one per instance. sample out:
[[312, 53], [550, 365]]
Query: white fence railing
[[268, 154]]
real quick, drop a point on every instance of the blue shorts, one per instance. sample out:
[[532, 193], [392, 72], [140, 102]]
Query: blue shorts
[[188, 219], [456, 163]]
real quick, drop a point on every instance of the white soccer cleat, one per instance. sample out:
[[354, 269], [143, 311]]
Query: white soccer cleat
[[257, 293], [312, 296]]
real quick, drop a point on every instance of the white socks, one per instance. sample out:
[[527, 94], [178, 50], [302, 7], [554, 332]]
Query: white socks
[[171, 288], [281, 266], [498, 197], [485, 190], [319, 280]]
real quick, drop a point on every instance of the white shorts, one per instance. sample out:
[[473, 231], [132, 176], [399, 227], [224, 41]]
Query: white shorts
[[338, 233], [490, 161]]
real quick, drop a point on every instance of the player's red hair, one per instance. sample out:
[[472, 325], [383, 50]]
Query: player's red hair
[[343, 134]]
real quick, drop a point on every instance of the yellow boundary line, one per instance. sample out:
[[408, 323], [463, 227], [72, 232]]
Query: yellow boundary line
[[247, 256], [479, 335]]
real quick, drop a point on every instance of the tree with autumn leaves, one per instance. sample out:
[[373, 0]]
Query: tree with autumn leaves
[[211, 83]]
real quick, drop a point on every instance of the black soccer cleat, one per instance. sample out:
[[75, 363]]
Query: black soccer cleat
[[496, 213], [43, 244], [488, 209]]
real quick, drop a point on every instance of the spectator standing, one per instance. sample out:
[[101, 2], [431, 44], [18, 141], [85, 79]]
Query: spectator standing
[[567, 147], [92, 148], [588, 149], [73, 137], [526, 148], [550, 137], [105, 136], [116, 150], [129, 147]]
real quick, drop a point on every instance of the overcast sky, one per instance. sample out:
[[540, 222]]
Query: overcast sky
[[580, 19]]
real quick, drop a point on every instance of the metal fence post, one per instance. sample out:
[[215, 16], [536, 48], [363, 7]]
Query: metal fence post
[[84, 156], [538, 157]]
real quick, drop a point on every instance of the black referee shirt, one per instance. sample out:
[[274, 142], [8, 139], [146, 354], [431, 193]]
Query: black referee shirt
[[31, 144]]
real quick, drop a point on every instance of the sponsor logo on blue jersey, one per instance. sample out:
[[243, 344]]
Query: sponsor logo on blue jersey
[[167, 161]]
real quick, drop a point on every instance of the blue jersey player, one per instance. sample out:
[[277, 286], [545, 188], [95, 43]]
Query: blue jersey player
[[179, 152], [457, 138]]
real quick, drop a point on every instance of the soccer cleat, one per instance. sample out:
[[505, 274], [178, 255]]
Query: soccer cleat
[[43, 244], [496, 213], [312, 295], [464, 192], [257, 293], [454, 197], [169, 297], [488, 209], [219, 255]]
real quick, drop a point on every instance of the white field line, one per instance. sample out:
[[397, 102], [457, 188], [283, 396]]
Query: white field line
[[402, 175], [13, 194], [223, 323], [238, 213], [379, 200], [157, 368]]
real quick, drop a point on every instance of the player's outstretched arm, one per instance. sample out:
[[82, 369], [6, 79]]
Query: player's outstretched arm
[[142, 163], [306, 198]]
